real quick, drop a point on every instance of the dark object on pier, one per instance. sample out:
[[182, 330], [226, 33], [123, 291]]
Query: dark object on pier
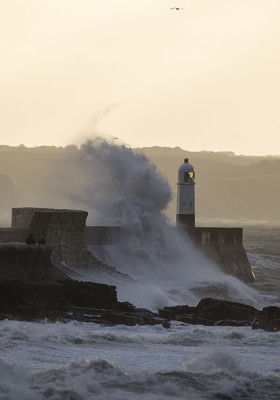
[[30, 239]]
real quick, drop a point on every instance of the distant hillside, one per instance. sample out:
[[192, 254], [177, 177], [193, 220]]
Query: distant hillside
[[10, 196], [227, 186]]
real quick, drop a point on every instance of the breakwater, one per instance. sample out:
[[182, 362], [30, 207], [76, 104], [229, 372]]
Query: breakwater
[[66, 232], [223, 246]]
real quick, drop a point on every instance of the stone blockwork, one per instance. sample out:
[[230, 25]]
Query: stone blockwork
[[63, 229], [22, 217], [13, 235]]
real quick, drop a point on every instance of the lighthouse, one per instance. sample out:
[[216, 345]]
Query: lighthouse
[[185, 196]]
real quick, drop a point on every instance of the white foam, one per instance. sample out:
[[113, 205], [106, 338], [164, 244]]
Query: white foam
[[119, 186]]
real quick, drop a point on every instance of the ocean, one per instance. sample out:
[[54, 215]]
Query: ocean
[[153, 268], [88, 361]]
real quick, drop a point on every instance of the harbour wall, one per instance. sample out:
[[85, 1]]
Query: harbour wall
[[223, 246], [69, 237], [64, 230]]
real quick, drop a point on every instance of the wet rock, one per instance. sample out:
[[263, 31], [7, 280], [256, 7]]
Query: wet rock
[[222, 310], [89, 294], [33, 289], [70, 300], [268, 319], [212, 312]]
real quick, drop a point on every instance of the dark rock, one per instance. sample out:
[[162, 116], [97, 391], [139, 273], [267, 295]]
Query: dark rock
[[70, 300], [176, 311], [137, 317], [90, 294], [33, 289], [212, 312], [268, 319], [215, 310]]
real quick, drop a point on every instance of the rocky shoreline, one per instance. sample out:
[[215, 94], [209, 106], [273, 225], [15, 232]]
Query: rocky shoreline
[[32, 289], [69, 300], [215, 312]]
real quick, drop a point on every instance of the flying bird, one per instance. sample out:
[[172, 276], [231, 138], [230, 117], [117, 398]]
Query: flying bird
[[176, 8]]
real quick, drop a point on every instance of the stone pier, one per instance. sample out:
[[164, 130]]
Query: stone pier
[[64, 230], [67, 234]]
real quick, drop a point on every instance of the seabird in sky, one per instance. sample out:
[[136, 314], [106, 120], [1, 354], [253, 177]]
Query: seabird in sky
[[176, 8]]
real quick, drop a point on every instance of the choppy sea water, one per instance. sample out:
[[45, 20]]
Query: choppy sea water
[[87, 361], [81, 361], [262, 242]]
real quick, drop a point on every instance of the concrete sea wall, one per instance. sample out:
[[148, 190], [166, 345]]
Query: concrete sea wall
[[64, 230], [20, 254], [67, 234], [13, 235], [102, 235], [224, 246]]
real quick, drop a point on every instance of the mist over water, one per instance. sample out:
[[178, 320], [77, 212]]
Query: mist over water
[[159, 267], [121, 187]]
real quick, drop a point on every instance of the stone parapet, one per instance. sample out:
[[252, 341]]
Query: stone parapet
[[13, 235], [63, 229], [22, 217], [21, 254]]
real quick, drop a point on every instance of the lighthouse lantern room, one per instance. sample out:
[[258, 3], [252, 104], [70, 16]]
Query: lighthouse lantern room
[[185, 196]]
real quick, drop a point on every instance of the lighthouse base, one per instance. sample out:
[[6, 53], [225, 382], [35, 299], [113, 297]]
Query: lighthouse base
[[186, 221]]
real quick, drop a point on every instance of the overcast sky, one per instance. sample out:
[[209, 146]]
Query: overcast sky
[[203, 78]]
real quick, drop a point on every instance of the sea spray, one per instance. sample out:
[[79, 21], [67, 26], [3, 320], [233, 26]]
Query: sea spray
[[119, 186], [83, 360], [91, 361]]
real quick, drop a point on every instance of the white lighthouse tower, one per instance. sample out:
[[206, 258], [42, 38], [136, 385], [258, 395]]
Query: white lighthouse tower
[[185, 196]]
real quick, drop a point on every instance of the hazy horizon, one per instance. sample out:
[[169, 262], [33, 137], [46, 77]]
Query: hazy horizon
[[226, 151], [204, 77], [227, 186]]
